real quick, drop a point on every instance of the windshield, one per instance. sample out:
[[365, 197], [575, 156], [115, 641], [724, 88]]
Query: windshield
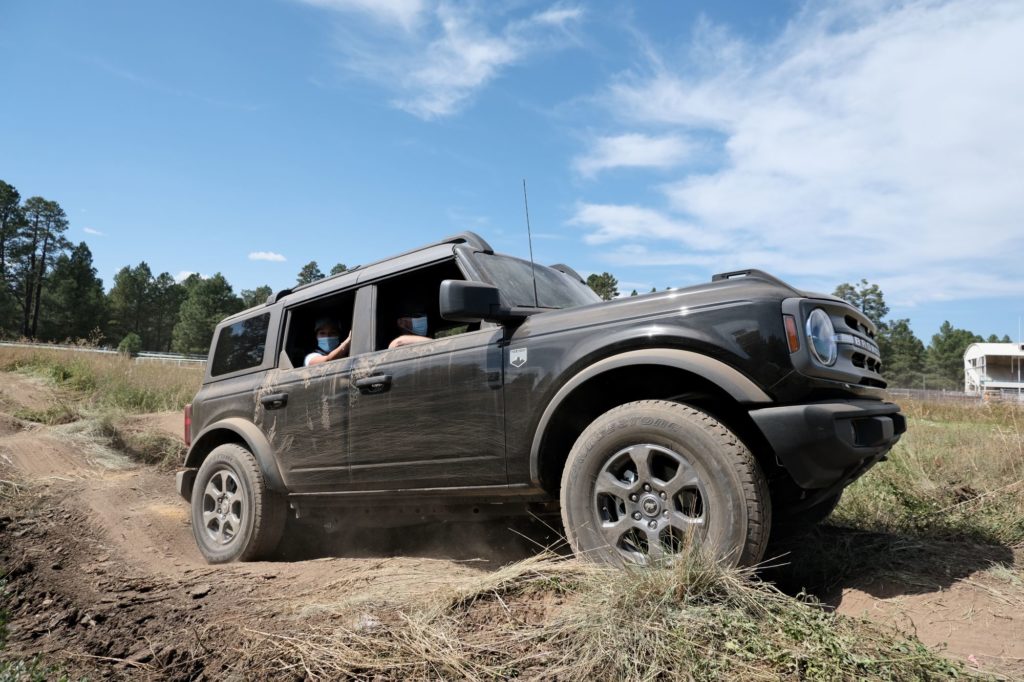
[[514, 277]]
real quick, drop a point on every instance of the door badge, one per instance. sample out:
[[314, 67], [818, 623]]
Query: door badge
[[517, 357]]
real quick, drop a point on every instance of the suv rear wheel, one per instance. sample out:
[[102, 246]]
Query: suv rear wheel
[[234, 516], [647, 478]]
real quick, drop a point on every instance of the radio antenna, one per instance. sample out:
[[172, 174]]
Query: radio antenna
[[529, 238]]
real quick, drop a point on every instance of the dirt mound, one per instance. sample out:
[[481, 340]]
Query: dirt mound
[[23, 392], [165, 423], [10, 425], [39, 456]]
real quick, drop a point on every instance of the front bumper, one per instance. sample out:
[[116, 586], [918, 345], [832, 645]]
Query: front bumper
[[828, 443]]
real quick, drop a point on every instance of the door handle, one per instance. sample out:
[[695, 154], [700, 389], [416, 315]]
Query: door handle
[[375, 384], [273, 401]]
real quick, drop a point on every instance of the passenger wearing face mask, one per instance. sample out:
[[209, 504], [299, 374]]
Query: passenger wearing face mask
[[413, 324], [329, 345]]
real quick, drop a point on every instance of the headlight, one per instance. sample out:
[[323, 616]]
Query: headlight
[[822, 336]]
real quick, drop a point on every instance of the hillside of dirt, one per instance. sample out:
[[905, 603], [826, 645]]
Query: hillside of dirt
[[103, 577]]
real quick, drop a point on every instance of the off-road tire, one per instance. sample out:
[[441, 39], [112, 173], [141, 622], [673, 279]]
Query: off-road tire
[[262, 512], [738, 505]]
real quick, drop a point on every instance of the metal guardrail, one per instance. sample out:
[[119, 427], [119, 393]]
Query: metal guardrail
[[144, 356], [1004, 395]]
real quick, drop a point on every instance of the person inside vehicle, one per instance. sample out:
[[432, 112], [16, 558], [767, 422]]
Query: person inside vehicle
[[329, 345], [412, 322]]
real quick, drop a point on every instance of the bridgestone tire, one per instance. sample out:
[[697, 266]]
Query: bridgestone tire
[[234, 516], [716, 492]]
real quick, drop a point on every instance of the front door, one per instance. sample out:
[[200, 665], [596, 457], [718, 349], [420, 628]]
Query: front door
[[429, 415]]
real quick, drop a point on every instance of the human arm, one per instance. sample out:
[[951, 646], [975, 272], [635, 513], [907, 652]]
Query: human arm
[[408, 340], [340, 352]]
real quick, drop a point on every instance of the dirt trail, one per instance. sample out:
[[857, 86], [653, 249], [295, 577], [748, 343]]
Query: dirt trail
[[106, 576]]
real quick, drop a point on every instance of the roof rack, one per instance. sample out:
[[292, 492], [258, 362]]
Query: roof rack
[[566, 270], [470, 238]]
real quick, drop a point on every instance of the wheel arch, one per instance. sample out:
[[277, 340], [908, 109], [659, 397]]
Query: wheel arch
[[246, 434], [661, 373]]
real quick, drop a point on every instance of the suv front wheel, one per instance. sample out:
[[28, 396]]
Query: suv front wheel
[[234, 516], [648, 478]]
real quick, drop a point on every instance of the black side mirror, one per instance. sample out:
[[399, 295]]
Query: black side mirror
[[462, 301]]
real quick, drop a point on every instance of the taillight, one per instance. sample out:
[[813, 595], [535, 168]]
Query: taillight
[[791, 335], [188, 424]]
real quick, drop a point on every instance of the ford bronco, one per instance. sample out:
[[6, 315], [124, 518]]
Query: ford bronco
[[696, 415]]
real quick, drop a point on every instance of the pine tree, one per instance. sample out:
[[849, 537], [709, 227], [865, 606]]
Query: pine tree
[[73, 303], [945, 356], [310, 272], [209, 301], [255, 297], [604, 285]]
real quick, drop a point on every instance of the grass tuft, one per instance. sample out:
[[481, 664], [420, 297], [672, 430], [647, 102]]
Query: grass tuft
[[555, 619]]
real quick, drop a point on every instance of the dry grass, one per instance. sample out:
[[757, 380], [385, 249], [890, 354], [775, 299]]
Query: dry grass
[[548, 618], [957, 474], [109, 381]]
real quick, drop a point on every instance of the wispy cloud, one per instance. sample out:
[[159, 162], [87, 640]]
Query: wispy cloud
[[267, 255], [89, 230], [403, 13], [446, 52], [634, 150], [877, 139], [185, 274]]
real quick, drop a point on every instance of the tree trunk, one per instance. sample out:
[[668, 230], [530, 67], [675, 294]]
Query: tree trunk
[[39, 285], [29, 273]]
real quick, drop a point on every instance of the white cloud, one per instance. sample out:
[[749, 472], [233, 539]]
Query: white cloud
[[89, 230], [267, 255], [611, 223], [448, 51], [879, 140], [185, 274], [634, 150], [404, 13]]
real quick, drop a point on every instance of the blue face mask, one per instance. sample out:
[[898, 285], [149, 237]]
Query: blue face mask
[[328, 343], [419, 325]]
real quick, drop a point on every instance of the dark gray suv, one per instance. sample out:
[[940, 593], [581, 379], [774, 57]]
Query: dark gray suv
[[703, 414]]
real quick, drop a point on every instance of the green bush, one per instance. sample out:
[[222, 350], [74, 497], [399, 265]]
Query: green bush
[[130, 344]]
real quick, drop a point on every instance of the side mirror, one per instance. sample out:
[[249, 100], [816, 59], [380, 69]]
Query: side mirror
[[462, 301]]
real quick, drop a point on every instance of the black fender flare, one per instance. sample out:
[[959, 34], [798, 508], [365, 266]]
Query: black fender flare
[[729, 379], [253, 438]]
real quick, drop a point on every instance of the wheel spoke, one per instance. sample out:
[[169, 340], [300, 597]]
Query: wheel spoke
[[211, 489], [654, 549], [613, 531], [641, 456], [686, 524], [686, 477], [208, 516], [608, 484]]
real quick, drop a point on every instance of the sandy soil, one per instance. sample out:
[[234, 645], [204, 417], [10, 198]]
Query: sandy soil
[[105, 577]]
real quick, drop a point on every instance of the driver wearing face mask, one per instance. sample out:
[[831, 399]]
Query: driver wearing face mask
[[413, 324], [329, 345]]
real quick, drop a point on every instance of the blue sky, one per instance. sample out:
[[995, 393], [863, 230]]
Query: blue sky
[[661, 141]]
